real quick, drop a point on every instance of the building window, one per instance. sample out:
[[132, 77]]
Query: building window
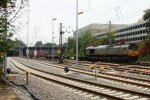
[[140, 25]]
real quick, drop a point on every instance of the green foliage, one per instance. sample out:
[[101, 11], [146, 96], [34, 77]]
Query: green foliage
[[17, 43], [104, 41], [5, 42], [39, 44], [147, 14], [145, 57], [71, 43], [84, 41], [1, 71], [5, 45], [47, 45], [7, 9], [1, 59], [144, 50], [2, 25], [70, 50], [81, 52], [4, 3]]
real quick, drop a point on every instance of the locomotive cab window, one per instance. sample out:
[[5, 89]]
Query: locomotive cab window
[[92, 51], [132, 47]]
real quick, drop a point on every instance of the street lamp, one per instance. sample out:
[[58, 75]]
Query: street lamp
[[53, 19], [77, 13]]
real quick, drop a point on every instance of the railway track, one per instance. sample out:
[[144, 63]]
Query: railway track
[[86, 86], [124, 67], [129, 80], [131, 68]]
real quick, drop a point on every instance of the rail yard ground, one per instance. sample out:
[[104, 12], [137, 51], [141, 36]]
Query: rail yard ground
[[9, 91], [48, 81]]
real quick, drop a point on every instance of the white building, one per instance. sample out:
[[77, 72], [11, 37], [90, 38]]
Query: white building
[[130, 33], [96, 29], [134, 32]]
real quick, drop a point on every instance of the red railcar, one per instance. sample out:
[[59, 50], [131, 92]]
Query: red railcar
[[40, 53]]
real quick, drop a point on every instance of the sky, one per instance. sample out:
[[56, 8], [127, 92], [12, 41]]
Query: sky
[[41, 13]]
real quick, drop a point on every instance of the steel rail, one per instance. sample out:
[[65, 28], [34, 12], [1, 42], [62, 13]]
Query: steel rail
[[97, 84]]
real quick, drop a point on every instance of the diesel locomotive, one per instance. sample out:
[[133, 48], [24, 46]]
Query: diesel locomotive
[[126, 52]]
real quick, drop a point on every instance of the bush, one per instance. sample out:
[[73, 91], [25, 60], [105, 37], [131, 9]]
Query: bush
[[145, 57], [1, 71]]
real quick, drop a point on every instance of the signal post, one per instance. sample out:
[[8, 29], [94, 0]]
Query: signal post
[[61, 45]]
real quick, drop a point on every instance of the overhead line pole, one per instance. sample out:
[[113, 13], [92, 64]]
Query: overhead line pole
[[19, 45], [53, 39], [76, 33], [110, 41], [27, 35], [61, 46], [35, 43]]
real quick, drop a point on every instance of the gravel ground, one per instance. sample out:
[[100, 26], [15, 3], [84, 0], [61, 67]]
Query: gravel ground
[[146, 77], [90, 78], [45, 90], [49, 91], [21, 92]]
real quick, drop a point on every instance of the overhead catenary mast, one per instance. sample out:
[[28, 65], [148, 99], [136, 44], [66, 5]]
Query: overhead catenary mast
[[27, 51]]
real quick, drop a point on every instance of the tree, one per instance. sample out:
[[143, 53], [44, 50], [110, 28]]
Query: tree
[[47, 45], [104, 41], [17, 43], [84, 41], [5, 42], [146, 14], [39, 44], [4, 3], [95, 41], [70, 51], [8, 14]]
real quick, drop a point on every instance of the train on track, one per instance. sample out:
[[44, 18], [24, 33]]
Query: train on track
[[42, 53], [126, 52]]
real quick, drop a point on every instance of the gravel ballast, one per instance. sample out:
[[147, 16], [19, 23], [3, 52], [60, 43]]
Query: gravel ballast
[[45, 90]]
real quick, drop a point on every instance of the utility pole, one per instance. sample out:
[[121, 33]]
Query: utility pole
[[61, 47], [76, 33], [27, 51], [19, 45], [35, 52], [110, 40], [77, 13], [53, 19]]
